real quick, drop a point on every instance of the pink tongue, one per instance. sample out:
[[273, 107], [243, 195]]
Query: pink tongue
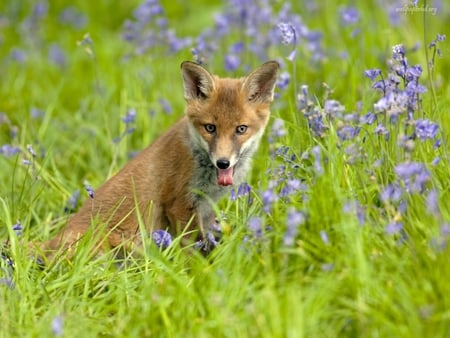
[[225, 176]]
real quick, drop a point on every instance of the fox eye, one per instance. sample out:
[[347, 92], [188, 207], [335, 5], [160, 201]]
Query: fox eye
[[241, 129], [210, 128]]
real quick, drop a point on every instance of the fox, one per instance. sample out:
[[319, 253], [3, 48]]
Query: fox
[[171, 184]]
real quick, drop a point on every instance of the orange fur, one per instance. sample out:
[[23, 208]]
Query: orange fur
[[165, 179]]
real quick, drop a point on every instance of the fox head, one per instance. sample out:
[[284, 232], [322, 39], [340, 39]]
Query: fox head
[[227, 117]]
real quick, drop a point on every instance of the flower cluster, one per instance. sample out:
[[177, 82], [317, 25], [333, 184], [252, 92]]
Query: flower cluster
[[149, 28]]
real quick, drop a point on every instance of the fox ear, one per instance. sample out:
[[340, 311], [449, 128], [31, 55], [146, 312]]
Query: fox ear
[[198, 82], [260, 84]]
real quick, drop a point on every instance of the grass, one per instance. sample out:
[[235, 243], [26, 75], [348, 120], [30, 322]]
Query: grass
[[358, 264]]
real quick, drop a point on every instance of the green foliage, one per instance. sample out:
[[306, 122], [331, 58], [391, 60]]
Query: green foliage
[[319, 247]]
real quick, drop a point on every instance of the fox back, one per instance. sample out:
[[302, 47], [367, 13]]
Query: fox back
[[171, 183]]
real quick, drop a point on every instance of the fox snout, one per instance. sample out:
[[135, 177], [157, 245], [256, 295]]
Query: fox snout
[[224, 172]]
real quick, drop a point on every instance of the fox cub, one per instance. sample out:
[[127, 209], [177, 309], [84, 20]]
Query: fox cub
[[175, 179]]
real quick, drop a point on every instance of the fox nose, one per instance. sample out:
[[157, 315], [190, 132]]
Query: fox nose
[[223, 163]]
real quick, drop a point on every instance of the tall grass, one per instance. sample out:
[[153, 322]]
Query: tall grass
[[345, 229]]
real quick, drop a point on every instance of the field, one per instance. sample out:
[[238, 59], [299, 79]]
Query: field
[[343, 229]]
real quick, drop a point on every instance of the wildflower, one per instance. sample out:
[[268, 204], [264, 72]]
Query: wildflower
[[130, 116], [294, 220], [255, 226], [369, 118], [269, 197], [392, 192], [324, 237], [18, 228], [31, 150], [162, 238], [394, 228], [167, 108], [349, 15], [432, 202], [333, 108], [89, 190], [398, 53], [232, 62], [283, 80], [72, 202], [73, 17], [425, 129], [317, 152], [57, 325], [8, 150], [36, 113], [287, 33], [414, 175], [372, 73], [57, 56], [278, 129], [348, 132]]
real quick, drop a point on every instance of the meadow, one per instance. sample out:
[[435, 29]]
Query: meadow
[[343, 227]]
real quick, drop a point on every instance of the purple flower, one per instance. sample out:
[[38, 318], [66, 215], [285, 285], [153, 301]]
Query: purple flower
[[89, 190], [398, 53], [283, 80], [57, 55], [324, 237], [130, 116], [18, 228], [295, 218], [165, 104], [414, 175], [349, 15], [58, 325], [287, 33], [161, 238], [432, 202], [333, 108], [8, 150], [372, 73], [392, 192], [369, 118], [425, 129], [394, 228], [72, 202], [232, 62], [348, 132], [255, 226]]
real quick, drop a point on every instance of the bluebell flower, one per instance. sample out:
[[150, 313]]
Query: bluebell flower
[[394, 228], [425, 129], [287, 32], [130, 116], [72, 16], [89, 190], [18, 228], [349, 15], [166, 106], [57, 55], [348, 132], [72, 201], [432, 202], [231, 62], [324, 237], [162, 238], [372, 73], [414, 175], [58, 326], [283, 80], [8, 150], [392, 192], [295, 218], [255, 226]]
